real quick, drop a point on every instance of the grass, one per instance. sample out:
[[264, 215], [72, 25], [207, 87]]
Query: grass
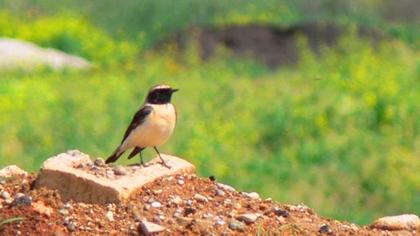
[[338, 132], [9, 221]]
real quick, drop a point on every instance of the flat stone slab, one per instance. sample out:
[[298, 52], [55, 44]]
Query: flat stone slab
[[78, 178]]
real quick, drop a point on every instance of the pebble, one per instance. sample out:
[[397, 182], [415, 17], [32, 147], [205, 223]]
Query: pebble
[[5, 195], [110, 216], [178, 213], [280, 212], [22, 200], [156, 204], [248, 218], [189, 210], [325, 229], [220, 222], [110, 207], [200, 198], [237, 205], [63, 211], [146, 207], [71, 226], [176, 200], [157, 191], [189, 202], [99, 162], [237, 225], [227, 202], [220, 193], [94, 167], [148, 228], [119, 170], [252, 195], [226, 187], [181, 182]]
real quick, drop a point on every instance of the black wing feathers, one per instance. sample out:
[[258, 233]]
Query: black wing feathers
[[138, 119]]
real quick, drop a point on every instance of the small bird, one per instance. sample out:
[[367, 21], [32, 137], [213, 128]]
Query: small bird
[[151, 126]]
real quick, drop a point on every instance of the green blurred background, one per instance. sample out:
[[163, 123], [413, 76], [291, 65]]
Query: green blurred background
[[338, 131]]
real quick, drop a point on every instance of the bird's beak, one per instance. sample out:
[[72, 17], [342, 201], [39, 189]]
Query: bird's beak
[[174, 90]]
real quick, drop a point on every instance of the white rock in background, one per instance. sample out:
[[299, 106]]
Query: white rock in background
[[399, 222], [11, 170], [21, 54]]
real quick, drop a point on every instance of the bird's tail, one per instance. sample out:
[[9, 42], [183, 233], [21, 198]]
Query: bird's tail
[[115, 155]]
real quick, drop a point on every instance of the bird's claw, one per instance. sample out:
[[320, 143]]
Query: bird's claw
[[165, 165]]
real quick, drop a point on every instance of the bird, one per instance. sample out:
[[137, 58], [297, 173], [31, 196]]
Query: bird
[[151, 126]]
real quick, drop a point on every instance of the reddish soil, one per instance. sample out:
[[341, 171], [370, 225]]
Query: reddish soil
[[171, 202]]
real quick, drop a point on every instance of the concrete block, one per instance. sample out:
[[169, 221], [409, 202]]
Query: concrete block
[[77, 178]]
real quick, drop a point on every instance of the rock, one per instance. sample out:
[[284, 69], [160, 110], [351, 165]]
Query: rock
[[5, 195], [248, 218], [200, 198], [220, 221], [99, 162], [20, 54], [157, 191], [237, 225], [109, 215], [226, 187], [181, 182], [399, 222], [156, 204], [148, 228], [60, 173], [237, 205], [71, 226], [63, 211], [220, 193], [11, 170], [119, 170], [252, 195], [189, 210], [189, 202], [22, 200], [176, 200], [325, 229], [42, 209], [280, 212]]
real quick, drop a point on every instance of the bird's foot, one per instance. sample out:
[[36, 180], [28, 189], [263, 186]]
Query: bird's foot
[[163, 163], [144, 165]]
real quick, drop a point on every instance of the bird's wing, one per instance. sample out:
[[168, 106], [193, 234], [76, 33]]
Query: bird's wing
[[138, 119]]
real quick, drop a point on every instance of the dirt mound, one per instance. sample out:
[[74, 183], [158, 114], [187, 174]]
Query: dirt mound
[[271, 45], [182, 204]]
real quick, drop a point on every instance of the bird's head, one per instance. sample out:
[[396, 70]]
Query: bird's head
[[160, 94]]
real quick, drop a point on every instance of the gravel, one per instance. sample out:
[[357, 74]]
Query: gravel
[[156, 204], [237, 225], [119, 170], [200, 198]]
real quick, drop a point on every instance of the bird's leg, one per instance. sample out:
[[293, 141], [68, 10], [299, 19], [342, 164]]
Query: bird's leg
[[163, 161], [141, 160]]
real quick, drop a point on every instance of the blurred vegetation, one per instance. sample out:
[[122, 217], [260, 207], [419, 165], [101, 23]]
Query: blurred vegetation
[[338, 132]]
